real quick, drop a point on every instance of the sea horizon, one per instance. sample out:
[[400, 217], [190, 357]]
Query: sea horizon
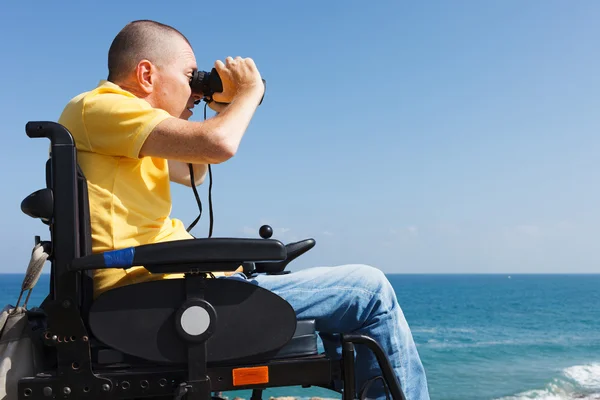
[[427, 273]]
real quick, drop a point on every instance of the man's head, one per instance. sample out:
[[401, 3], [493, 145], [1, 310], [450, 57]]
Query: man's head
[[155, 62]]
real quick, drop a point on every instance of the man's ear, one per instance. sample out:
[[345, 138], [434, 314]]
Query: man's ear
[[144, 74]]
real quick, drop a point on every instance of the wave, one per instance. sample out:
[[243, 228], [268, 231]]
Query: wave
[[468, 342], [587, 376], [579, 382], [442, 330]]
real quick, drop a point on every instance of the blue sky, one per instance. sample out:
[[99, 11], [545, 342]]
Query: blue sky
[[417, 137]]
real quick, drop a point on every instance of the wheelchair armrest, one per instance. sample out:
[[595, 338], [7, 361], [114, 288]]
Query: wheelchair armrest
[[187, 255], [293, 250]]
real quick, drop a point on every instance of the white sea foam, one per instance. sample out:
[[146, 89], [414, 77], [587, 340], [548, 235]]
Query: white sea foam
[[586, 376], [579, 382], [443, 330], [424, 330]]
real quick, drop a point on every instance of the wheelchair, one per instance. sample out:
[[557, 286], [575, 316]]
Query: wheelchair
[[191, 338]]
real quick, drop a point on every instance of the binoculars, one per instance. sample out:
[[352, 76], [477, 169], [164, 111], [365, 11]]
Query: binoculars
[[208, 83]]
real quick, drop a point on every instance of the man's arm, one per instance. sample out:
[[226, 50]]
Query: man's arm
[[179, 172], [217, 139]]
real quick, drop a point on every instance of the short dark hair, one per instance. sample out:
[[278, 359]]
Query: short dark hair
[[141, 39]]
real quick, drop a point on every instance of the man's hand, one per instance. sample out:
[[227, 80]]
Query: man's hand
[[229, 273], [179, 172], [239, 76], [216, 139], [217, 107]]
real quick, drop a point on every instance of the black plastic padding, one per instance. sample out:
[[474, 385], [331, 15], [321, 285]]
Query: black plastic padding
[[180, 255], [39, 204], [139, 320], [304, 342], [293, 251], [299, 346], [209, 250], [85, 225], [305, 327], [58, 134], [85, 243]]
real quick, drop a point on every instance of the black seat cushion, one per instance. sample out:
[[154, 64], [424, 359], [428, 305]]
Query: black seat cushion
[[303, 343]]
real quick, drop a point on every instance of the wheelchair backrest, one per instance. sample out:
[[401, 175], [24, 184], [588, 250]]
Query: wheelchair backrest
[[69, 219]]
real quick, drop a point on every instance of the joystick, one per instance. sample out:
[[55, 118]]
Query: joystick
[[265, 231], [293, 250]]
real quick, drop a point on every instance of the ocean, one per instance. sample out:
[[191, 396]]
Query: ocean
[[483, 337]]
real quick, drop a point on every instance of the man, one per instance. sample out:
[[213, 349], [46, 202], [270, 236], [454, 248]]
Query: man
[[133, 138]]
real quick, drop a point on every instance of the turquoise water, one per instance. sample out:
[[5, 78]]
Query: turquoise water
[[485, 337]]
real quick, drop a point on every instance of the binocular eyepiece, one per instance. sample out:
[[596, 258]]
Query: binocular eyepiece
[[208, 83]]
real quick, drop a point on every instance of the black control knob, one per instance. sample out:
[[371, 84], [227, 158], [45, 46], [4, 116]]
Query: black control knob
[[265, 231]]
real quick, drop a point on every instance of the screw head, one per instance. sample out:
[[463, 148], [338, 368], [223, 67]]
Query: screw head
[[67, 390]]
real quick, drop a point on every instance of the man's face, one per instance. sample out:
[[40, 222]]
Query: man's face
[[172, 90]]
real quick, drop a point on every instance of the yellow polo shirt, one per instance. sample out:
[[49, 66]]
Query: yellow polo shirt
[[130, 197]]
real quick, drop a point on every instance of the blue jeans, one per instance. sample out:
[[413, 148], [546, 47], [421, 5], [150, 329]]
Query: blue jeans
[[355, 299]]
